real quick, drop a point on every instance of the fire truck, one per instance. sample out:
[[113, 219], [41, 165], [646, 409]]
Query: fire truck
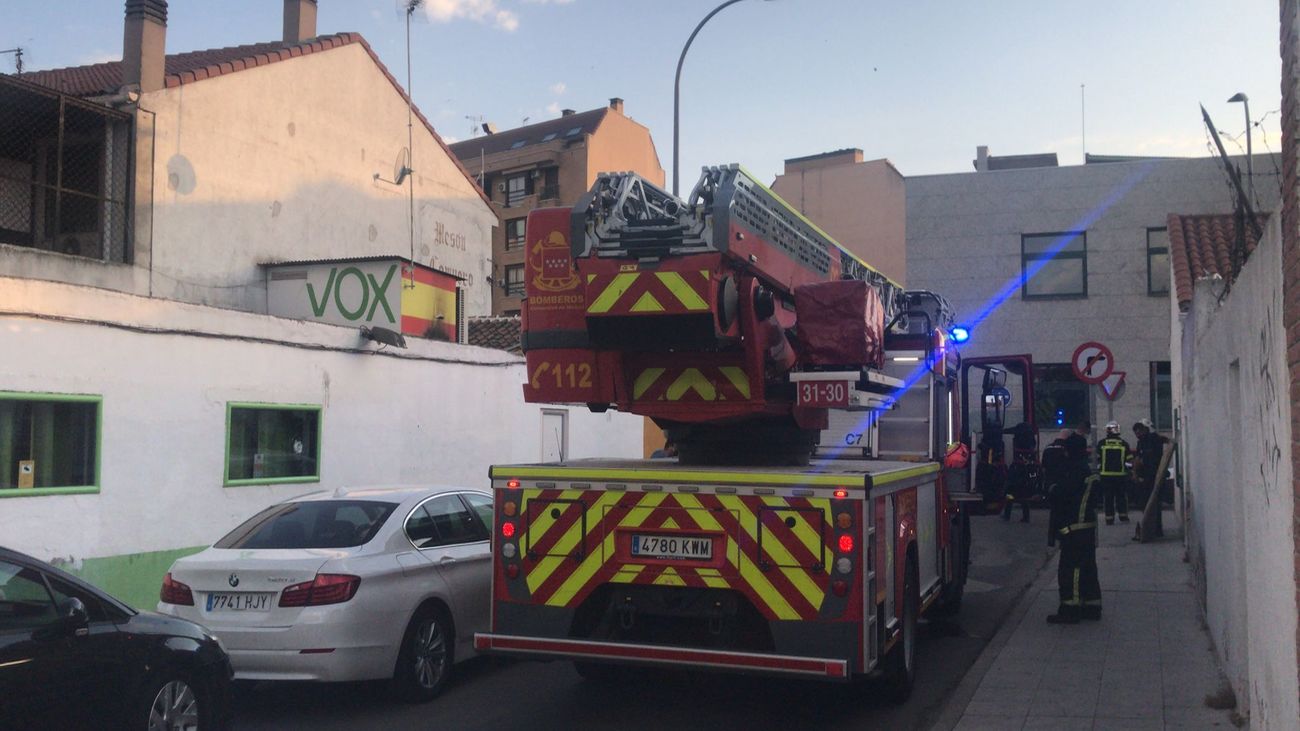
[[749, 335]]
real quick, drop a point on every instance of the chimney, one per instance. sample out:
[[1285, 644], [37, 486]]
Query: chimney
[[144, 44], [982, 158], [567, 112], [616, 104], [299, 20]]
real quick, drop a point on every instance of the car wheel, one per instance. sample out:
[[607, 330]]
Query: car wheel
[[425, 660], [172, 702], [900, 672]]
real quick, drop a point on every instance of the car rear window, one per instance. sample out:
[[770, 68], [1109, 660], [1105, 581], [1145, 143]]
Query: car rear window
[[316, 524]]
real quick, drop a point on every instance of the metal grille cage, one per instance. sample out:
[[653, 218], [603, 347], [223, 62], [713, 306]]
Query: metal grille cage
[[65, 169]]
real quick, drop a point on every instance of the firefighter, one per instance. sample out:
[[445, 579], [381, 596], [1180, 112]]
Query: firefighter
[[1112, 454], [1149, 451], [1073, 495], [1022, 474]]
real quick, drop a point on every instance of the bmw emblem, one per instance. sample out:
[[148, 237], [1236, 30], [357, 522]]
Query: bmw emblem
[[233, 580]]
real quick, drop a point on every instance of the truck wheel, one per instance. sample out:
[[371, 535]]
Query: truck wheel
[[900, 671]]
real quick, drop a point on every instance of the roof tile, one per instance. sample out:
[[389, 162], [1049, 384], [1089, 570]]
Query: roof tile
[[500, 333], [1201, 245]]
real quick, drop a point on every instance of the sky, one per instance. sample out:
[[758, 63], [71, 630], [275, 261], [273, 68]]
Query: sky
[[921, 82]]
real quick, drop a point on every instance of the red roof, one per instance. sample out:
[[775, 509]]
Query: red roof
[[560, 129], [500, 333], [184, 68], [1201, 245]]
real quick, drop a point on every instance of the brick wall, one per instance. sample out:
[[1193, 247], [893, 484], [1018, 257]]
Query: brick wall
[[1290, 47]]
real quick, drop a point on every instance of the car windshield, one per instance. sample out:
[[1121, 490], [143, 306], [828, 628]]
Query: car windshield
[[316, 524]]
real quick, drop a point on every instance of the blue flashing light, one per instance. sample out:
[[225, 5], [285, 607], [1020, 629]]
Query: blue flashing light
[[959, 333]]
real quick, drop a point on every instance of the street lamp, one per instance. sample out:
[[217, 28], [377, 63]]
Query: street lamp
[[1250, 157], [677, 90]]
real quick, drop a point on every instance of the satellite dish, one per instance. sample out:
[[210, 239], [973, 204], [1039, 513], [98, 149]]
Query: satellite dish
[[402, 166]]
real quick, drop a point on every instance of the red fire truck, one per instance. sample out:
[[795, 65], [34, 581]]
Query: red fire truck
[[739, 327]]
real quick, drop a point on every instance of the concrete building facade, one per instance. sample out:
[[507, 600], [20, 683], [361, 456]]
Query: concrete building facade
[[861, 204], [1040, 260], [549, 164]]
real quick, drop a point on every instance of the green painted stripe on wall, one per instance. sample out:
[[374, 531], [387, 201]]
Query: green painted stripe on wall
[[134, 578]]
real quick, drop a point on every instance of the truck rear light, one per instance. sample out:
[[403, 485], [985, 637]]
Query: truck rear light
[[846, 543], [508, 550], [508, 529], [512, 571], [841, 493], [840, 588], [324, 589], [174, 592], [843, 565], [509, 509], [512, 484], [844, 521]]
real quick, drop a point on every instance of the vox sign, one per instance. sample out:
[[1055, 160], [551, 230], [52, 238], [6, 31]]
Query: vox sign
[[341, 293]]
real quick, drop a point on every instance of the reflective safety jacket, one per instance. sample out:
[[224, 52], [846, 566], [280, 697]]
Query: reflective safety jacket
[[1112, 451]]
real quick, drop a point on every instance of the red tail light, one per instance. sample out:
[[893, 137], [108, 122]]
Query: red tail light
[[508, 530], [846, 543], [324, 589], [174, 592]]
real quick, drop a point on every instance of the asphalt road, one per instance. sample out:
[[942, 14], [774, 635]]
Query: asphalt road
[[493, 694]]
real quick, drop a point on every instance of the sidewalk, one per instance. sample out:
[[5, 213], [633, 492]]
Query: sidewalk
[[1146, 665]]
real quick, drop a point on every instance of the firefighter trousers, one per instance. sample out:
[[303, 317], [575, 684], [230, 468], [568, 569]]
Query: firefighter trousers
[[1076, 574], [1114, 490]]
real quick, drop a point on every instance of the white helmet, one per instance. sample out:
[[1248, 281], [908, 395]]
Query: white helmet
[[1112, 427], [1147, 423]]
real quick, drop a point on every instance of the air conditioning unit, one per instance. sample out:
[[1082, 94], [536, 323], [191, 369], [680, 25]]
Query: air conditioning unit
[[501, 187]]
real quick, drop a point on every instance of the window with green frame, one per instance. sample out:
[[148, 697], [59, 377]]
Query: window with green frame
[[49, 443], [268, 443]]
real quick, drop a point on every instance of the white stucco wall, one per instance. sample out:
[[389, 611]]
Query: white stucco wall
[[964, 242], [277, 163], [1237, 437], [434, 413]]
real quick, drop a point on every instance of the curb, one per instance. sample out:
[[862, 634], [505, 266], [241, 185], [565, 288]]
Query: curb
[[960, 697]]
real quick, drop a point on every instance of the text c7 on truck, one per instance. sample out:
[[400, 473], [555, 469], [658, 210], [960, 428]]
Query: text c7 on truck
[[745, 332]]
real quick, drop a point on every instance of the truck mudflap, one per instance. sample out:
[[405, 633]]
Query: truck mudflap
[[825, 668]]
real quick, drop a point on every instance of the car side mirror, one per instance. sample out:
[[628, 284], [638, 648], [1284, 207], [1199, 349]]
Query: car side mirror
[[72, 613]]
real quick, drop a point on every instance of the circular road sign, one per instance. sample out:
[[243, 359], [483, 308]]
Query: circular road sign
[[1092, 362]]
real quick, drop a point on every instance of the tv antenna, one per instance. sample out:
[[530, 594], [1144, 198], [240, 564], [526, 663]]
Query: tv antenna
[[402, 172], [18, 59]]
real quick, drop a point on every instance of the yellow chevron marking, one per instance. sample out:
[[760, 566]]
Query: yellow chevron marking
[[542, 522], [705, 273], [594, 560], [802, 582], [644, 380], [803, 529], [626, 574], [748, 571], [669, 578], [646, 303], [565, 545], [610, 295], [692, 379], [716, 582], [670, 523], [738, 378], [590, 277], [682, 291]]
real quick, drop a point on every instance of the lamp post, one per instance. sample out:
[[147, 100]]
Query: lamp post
[[677, 91], [1250, 157]]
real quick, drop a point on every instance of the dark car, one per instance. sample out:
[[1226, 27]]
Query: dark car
[[73, 657]]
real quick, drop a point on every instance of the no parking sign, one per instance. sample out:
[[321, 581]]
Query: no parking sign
[[1092, 362]]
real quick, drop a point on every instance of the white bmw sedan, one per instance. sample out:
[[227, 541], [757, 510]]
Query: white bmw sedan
[[360, 584]]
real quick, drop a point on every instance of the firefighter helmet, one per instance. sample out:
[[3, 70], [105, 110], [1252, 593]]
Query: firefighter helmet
[[1112, 427], [1146, 423]]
